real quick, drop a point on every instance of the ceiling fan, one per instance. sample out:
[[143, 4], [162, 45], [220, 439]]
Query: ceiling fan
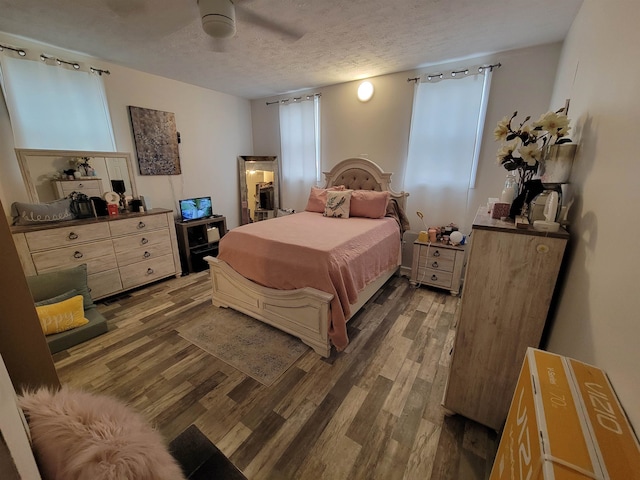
[[219, 19]]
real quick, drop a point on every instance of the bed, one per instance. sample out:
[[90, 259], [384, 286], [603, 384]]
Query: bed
[[308, 274]]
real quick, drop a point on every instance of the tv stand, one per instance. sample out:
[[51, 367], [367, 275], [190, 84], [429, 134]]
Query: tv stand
[[194, 244]]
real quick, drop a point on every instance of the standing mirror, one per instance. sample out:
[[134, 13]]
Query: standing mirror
[[259, 188], [42, 172]]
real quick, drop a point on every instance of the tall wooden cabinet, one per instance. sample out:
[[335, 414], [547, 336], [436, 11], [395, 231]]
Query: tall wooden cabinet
[[510, 278]]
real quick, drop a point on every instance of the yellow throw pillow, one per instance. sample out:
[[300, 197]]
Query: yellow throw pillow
[[62, 316]]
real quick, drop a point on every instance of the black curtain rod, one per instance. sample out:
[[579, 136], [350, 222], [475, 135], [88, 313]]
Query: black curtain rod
[[294, 99], [453, 73]]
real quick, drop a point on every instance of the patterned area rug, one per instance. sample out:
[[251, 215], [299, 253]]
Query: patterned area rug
[[255, 348]]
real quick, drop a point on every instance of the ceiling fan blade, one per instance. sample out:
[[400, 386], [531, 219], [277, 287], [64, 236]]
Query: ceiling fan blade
[[263, 22], [124, 8]]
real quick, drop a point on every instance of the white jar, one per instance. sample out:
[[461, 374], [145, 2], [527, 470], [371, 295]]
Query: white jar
[[510, 190]]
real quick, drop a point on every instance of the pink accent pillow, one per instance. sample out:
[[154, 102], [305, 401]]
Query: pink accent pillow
[[369, 203], [318, 198], [81, 435]]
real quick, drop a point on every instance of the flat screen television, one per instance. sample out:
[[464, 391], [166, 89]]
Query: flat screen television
[[195, 208]]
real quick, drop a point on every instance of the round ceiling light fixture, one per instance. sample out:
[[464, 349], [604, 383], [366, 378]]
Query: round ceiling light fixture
[[365, 91]]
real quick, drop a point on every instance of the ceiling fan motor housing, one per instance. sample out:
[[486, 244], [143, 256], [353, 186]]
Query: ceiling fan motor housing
[[218, 18]]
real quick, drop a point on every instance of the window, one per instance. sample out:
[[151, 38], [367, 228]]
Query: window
[[55, 108], [444, 144], [300, 145]]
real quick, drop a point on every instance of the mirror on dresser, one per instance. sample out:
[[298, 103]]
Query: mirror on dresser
[[259, 187], [42, 172]]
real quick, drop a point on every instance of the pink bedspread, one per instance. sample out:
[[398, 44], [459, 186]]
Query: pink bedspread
[[336, 255]]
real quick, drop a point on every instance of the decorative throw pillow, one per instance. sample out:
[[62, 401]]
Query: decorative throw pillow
[[338, 204], [48, 285], [37, 213], [77, 434], [62, 316], [58, 298], [318, 198], [369, 203]]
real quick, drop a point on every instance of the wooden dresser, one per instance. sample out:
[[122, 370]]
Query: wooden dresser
[[509, 282], [121, 252]]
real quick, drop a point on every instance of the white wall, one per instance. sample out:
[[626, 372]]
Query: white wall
[[215, 128], [597, 317], [380, 127]]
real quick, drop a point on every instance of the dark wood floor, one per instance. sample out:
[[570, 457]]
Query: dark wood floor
[[372, 411]]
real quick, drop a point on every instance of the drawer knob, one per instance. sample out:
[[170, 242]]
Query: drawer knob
[[80, 185], [146, 255], [73, 236], [144, 241], [434, 278], [149, 271], [141, 225], [77, 254], [435, 265], [436, 253]]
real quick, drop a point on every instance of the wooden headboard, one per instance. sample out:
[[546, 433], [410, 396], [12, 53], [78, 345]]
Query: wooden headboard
[[363, 174]]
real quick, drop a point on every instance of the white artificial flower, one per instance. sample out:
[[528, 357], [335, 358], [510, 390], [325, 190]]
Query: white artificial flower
[[530, 154], [505, 151], [502, 129]]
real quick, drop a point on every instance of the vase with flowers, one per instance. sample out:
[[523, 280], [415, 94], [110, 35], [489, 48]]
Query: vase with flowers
[[82, 165], [525, 146]]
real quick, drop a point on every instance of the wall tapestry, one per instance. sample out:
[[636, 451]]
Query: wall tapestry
[[156, 140]]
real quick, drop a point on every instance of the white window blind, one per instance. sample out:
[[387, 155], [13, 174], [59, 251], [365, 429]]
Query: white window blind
[[300, 147], [444, 145], [51, 107]]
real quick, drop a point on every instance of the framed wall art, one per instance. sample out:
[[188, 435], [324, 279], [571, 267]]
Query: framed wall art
[[156, 140]]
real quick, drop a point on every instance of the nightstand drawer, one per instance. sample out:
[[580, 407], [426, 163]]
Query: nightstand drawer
[[437, 253], [443, 264], [428, 276]]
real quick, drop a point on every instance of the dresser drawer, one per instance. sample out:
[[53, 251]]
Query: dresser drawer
[[136, 248], [91, 187], [99, 256], [104, 284], [147, 271], [61, 237], [437, 278], [138, 224]]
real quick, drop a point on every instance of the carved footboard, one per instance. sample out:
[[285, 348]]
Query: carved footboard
[[303, 313]]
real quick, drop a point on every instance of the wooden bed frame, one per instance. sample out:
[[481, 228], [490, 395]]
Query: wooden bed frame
[[304, 312]]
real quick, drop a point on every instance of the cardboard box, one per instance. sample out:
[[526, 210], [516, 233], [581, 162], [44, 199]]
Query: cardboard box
[[565, 423]]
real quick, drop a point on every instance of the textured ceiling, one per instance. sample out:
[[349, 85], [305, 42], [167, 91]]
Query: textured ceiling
[[342, 41]]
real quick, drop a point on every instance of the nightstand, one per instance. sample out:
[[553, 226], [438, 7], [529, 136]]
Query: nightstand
[[438, 265]]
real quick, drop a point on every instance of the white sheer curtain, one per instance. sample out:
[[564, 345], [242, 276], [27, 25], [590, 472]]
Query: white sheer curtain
[[444, 144], [300, 147], [54, 108]]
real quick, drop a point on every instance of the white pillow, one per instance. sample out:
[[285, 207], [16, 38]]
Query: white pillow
[[338, 204]]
